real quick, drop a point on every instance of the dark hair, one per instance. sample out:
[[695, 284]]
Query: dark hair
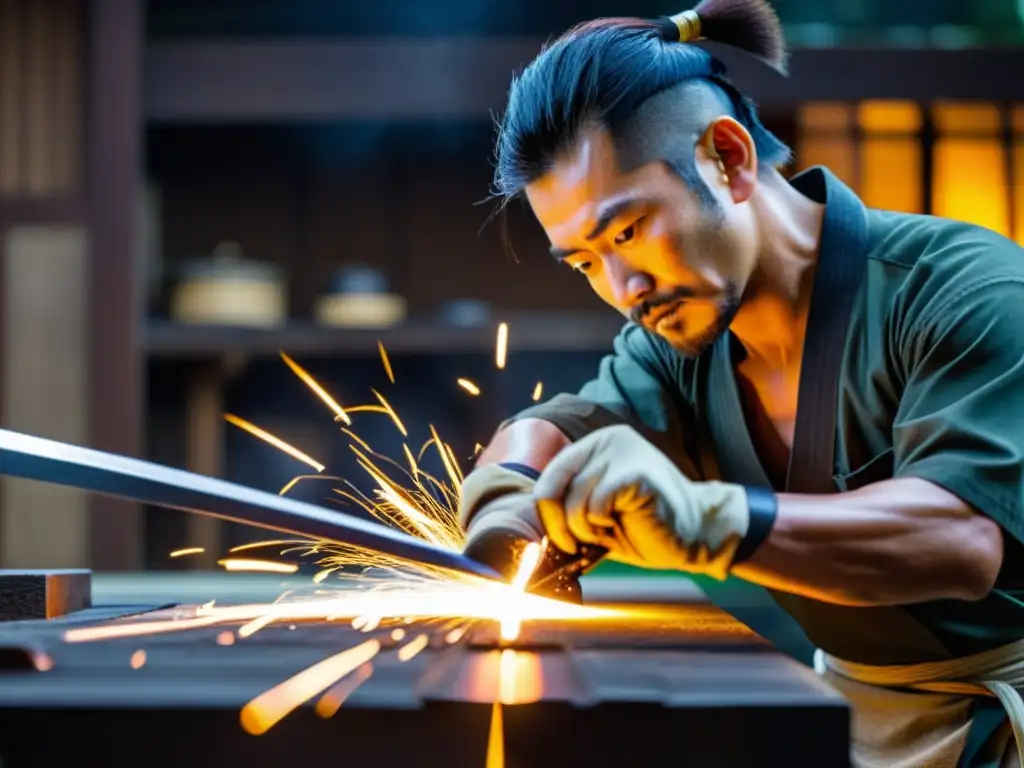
[[602, 71]]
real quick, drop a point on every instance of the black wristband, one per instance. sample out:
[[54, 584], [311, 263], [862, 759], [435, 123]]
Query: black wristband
[[522, 469], [764, 507]]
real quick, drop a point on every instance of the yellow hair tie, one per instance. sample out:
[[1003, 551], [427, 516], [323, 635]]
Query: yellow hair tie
[[688, 23]]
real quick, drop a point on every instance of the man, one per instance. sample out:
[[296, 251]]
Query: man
[[654, 179]]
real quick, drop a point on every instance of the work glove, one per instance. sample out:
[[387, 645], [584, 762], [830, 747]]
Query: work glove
[[499, 514], [616, 490]]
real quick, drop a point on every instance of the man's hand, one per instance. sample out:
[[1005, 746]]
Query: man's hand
[[616, 490]]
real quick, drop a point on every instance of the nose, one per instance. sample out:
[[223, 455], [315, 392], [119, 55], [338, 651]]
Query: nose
[[629, 285]]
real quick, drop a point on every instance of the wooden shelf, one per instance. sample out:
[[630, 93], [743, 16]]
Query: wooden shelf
[[531, 332]]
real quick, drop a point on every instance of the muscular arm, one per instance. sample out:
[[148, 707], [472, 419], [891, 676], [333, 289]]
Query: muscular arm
[[532, 442], [895, 542]]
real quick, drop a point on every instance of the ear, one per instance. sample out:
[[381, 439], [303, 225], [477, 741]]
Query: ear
[[732, 146]]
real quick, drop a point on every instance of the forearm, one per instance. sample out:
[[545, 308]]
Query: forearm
[[896, 542]]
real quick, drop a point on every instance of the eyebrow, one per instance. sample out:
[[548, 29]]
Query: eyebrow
[[604, 220]]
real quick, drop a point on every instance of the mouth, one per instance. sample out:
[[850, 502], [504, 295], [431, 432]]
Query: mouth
[[657, 320]]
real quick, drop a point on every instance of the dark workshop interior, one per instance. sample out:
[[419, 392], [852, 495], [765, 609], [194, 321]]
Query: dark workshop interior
[[189, 188]]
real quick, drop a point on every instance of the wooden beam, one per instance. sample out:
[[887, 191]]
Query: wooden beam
[[467, 78], [115, 33]]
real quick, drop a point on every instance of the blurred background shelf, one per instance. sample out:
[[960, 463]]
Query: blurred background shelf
[[532, 332]]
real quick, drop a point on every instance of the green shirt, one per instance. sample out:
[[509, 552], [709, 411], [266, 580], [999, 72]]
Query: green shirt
[[931, 386]]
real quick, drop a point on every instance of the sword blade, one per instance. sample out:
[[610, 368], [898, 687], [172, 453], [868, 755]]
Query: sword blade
[[49, 461]]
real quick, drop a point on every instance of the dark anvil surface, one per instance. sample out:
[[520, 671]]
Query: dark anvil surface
[[680, 683]]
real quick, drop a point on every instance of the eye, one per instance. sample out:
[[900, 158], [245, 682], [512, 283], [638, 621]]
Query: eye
[[627, 235]]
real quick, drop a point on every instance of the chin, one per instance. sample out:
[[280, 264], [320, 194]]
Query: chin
[[693, 340]]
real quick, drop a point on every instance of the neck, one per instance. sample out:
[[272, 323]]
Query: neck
[[773, 318]]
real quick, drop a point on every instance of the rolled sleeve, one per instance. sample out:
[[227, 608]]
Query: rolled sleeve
[[960, 423]]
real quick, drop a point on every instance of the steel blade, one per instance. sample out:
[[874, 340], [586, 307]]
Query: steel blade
[[37, 458]]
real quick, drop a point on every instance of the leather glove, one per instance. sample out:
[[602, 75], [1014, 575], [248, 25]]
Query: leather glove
[[616, 490]]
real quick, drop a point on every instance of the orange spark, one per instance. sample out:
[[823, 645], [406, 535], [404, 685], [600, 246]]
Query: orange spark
[[391, 413], [269, 708], [501, 345], [309, 381], [277, 442], [398, 634], [266, 566], [455, 635], [469, 386], [413, 647], [387, 363], [187, 551], [250, 628], [538, 390], [331, 701], [226, 638], [138, 660], [496, 739]]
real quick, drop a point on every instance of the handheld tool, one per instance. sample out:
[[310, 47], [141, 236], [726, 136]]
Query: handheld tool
[[49, 461]]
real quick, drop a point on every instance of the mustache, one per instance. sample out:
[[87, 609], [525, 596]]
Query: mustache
[[643, 310]]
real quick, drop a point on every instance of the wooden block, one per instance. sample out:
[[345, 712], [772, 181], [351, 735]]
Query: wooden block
[[43, 594]]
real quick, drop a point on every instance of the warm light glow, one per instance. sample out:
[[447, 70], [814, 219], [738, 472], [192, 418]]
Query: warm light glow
[[970, 183], [1018, 187], [538, 391], [387, 363], [264, 566], [397, 634], [277, 442], [226, 638], [250, 628], [967, 118], [469, 386], [138, 660], [267, 709], [319, 391], [501, 346], [187, 551], [889, 117], [891, 173], [825, 138]]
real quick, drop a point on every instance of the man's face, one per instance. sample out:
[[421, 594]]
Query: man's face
[[645, 241]]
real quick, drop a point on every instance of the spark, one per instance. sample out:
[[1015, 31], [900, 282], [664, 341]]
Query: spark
[[138, 660], [250, 628], [469, 386], [413, 647], [538, 391], [277, 442], [496, 739], [226, 638], [266, 566], [455, 635], [391, 412], [528, 562], [187, 551], [331, 701], [309, 381], [387, 363], [270, 707], [501, 346], [398, 634]]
